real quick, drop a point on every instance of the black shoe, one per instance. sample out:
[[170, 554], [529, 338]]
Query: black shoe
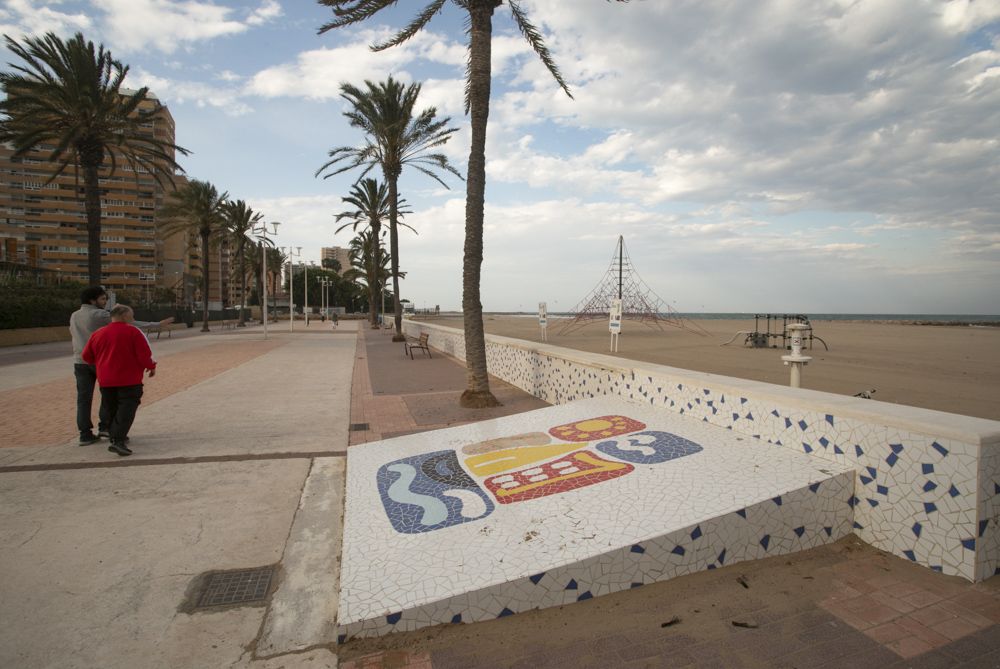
[[88, 438], [103, 434], [119, 448]]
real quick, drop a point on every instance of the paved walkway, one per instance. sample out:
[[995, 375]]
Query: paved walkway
[[239, 463]]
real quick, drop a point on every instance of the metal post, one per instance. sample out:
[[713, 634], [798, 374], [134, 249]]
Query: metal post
[[306, 285], [291, 291], [263, 257]]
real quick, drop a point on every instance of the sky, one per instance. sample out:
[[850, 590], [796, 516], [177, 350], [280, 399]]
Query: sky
[[808, 156]]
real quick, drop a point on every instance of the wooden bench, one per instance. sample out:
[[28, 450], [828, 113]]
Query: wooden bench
[[421, 344]]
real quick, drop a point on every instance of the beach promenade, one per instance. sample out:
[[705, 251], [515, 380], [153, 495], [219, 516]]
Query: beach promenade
[[239, 463]]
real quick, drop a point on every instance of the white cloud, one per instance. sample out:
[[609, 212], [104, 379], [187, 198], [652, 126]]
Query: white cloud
[[200, 93], [268, 11]]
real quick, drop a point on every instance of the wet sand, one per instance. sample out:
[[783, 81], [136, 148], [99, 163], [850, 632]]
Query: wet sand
[[947, 368]]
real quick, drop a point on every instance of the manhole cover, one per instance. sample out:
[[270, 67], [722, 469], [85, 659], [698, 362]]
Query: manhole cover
[[236, 587], [359, 427]]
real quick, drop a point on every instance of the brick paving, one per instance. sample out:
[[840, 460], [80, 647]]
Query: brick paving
[[44, 414], [845, 605]]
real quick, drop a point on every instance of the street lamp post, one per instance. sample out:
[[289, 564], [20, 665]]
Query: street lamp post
[[260, 232], [305, 285], [291, 285]]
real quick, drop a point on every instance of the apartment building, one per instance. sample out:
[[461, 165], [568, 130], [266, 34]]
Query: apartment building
[[43, 224], [337, 253]]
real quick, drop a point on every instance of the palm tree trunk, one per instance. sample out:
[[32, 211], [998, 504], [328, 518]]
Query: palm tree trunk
[[92, 206], [205, 280], [394, 259], [375, 228], [477, 393], [241, 254]]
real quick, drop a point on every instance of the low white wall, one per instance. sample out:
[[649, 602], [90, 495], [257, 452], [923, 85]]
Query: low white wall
[[927, 486]]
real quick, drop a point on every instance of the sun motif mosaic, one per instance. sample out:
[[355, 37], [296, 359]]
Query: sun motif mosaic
[[596, 428], [432, 491]]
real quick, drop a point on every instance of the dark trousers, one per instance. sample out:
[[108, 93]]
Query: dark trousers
[[86, 378], [122, 403]]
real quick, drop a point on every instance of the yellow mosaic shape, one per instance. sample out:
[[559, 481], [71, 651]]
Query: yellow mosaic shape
[[488, 464], [503, 443]]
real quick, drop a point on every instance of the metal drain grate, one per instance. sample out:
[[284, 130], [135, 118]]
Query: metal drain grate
[[359, 427], [236, 587]]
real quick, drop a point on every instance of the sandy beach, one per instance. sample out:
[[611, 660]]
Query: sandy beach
[[947, 368]]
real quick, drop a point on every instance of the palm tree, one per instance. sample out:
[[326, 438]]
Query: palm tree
[[68, 95], [394, 138], [276, 259], [477, 105], [197, 208], [370, 200], [369, 265], [240, 222]]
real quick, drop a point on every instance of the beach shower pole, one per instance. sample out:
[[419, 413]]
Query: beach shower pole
[[796, 360], [621, 247]]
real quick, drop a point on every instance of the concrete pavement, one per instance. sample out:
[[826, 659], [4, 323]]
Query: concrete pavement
[[242, 469]]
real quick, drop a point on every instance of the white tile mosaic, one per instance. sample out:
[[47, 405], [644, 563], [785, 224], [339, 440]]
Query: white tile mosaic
[[563, 504], [927, 484]]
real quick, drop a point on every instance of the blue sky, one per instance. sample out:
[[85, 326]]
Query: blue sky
[[812, 156]]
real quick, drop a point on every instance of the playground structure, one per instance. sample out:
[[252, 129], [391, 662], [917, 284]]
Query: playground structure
[[639, 302], [758, 339]]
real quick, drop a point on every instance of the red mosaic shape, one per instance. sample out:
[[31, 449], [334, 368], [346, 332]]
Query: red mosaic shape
[[592, 429], [576, 470]]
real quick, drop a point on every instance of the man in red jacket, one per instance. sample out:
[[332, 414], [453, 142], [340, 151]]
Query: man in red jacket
[[121, 353]]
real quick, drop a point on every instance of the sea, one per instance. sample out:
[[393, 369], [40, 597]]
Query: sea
[[976, 319]]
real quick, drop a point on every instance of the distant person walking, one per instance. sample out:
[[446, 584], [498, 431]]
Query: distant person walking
[[85, 321], [120, 353]]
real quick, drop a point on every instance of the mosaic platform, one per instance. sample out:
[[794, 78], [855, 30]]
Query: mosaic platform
[[563, 504]]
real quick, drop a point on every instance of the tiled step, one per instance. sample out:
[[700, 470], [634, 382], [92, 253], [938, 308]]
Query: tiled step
[[563, 504]]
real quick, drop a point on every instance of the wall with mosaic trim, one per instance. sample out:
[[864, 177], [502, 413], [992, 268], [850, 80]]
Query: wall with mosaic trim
[[927, 484]]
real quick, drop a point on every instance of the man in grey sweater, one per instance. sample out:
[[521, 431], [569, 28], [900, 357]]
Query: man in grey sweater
[[90, 317]]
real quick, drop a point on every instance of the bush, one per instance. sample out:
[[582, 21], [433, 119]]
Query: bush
[[32, 306]]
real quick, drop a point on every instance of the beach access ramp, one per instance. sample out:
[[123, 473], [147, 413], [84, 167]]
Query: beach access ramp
[[563, 504]]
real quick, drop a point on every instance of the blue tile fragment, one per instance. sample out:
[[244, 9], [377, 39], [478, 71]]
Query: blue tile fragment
[[777, 500], [722, 556], [536, 578], [678, 550], [829, 530], [891, 460], [837, 450], [917, 529], [572, 585], [341, 638], [774, 412], [882, 490], [927, 468], [736, 416], [896, 448], [829, 418], [858, 451], [749, 415], [930, 507], [765, 541], [457, 618], [953, 491], [858, 526], [940, 449], [930, 485], [982, 526], [852, 501], [800, 530], [938, 568], [806, 447], [637, 549], [803, 425], [788, 423], [872, 471], [815, 486], [910, 555], [970, 544], [743, 400], [872, 502], [636, 585], [696, 532], [506, 612], [393, 618], [742, 512], [584, 596], [865, 480]]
